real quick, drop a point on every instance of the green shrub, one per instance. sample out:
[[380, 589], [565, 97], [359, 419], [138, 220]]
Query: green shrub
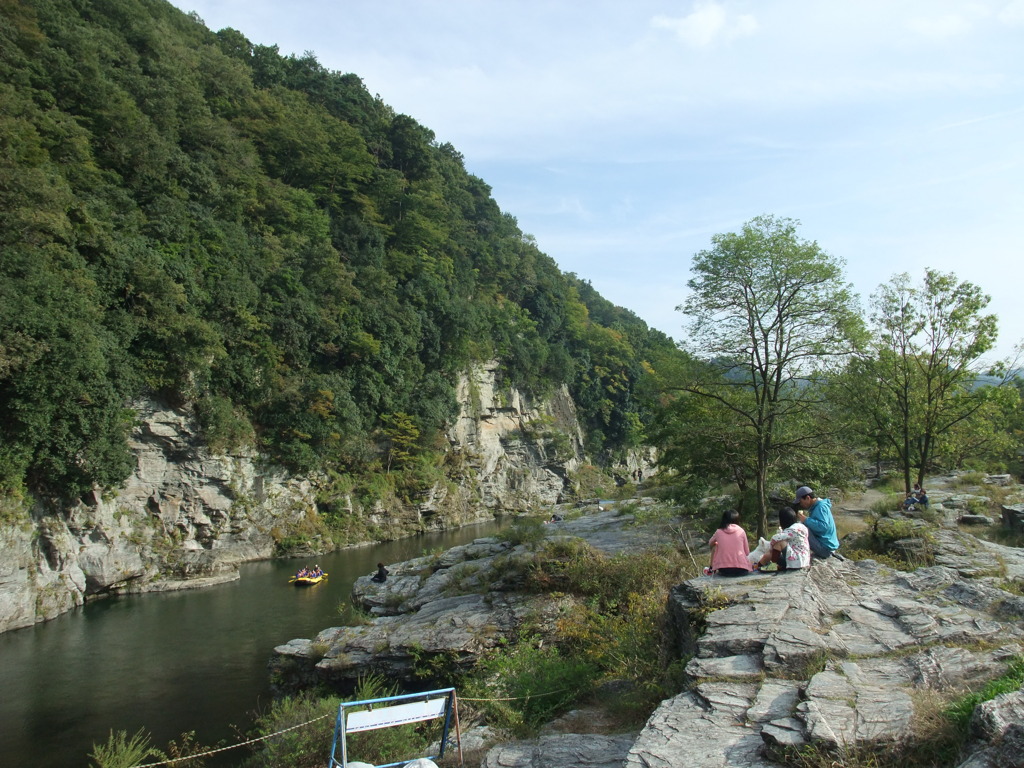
[[309, 746], [524, 530], [122, 751], [305, 747], [522, 687], [618, 622], [590, 481]]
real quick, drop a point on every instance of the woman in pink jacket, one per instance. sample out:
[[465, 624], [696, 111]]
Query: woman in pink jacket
[[729, 547]]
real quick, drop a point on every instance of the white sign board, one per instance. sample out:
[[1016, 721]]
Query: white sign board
[[400, 714]]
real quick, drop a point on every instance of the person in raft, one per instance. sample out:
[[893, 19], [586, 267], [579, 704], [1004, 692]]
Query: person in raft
[[816, 514], [729, 547], [381, 575], [790, 546]]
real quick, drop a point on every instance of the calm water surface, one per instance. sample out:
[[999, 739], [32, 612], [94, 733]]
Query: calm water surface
[[174, 662]]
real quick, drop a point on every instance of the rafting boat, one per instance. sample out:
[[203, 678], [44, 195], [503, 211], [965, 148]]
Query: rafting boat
[[307, 581]]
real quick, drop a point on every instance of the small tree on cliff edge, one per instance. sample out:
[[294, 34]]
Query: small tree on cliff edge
[[769, 314]]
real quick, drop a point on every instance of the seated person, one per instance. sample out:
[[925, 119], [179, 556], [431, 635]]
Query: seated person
[[381, 575], [790, 546], [729, 547], [816, 514]]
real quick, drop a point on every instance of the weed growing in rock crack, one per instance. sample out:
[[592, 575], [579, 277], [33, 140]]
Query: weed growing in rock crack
[[900, 543], [461, 579], [352, 615], [318, 650], [627, 508], [959, 712], [711, 600], [808, 666]]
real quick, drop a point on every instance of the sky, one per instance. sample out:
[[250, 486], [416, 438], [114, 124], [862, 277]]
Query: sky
[[624, 134]]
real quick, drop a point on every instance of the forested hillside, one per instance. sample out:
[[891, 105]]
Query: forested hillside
[[191, 217]]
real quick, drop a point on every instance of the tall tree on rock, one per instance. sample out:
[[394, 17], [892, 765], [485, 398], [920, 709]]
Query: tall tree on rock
[[769, 314]]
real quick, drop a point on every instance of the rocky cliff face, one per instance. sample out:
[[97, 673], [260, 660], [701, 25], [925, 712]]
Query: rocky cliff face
[[521, 452], [188, 518]]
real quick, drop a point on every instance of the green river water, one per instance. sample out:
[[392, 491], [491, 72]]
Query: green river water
[[172, 662]]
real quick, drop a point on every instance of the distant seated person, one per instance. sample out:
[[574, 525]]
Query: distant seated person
[[381, 575], [918, 497], [556, 518]]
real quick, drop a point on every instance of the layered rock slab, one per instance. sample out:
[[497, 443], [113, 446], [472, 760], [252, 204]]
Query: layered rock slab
[[839, 649]]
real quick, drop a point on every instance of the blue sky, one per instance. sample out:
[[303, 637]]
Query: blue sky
[[623, 135]]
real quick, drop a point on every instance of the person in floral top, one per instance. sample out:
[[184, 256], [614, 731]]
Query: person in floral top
[[790, 546]]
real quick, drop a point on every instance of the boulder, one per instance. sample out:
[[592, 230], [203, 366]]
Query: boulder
[[572, 750], [1001, 480], [975, 520], [1013, 516]]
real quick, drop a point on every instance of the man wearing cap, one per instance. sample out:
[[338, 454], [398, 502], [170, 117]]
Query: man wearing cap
[[816, 514]]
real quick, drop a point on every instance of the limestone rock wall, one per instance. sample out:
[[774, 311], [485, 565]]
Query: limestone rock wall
[[184, 518], [520, 452], [188, 518]]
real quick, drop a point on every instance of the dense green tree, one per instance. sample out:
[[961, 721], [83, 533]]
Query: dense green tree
[[190, 216]]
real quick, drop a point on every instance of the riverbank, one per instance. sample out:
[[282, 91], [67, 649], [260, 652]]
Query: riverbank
[[834, 658]]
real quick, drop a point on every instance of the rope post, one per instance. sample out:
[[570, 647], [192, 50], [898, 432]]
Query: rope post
[[458, 728]]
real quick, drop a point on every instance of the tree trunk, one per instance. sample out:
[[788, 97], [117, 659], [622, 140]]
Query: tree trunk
[[762, 498]]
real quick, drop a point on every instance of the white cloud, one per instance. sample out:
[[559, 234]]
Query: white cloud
[[708, 24]]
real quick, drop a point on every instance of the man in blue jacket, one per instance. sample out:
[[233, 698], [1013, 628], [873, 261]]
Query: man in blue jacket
[[816, 514]]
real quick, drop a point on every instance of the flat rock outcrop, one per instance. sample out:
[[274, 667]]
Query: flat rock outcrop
[[831, 655], [456, 605], [838, 656]]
